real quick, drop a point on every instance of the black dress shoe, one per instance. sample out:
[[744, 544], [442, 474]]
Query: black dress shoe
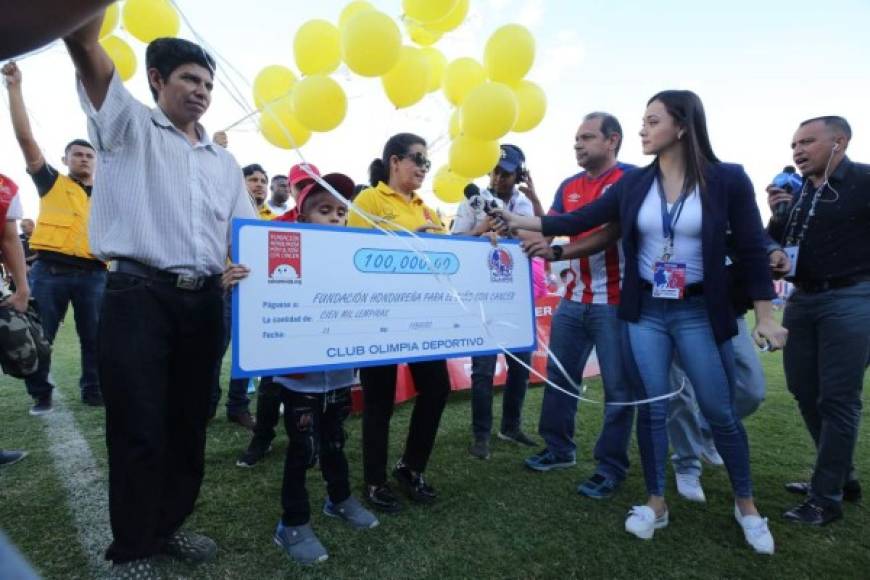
[[413, 484], [382, 498], [851, 491], [92, 398], [814, 514]]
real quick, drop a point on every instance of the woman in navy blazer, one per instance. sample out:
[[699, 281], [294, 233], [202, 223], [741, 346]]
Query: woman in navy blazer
[[674, 215]]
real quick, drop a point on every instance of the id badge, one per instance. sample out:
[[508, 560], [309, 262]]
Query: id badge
[[792, 253], [669, 280]]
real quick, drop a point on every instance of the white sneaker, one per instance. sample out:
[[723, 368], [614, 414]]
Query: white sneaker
[[642, 522], [755, 531], [689, 486]]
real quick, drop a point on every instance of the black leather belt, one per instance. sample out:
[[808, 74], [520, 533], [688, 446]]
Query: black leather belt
[[696, 289], [815, 286], [181, 281]]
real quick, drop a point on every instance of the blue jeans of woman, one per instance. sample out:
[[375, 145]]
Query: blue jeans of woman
[[683, 325]]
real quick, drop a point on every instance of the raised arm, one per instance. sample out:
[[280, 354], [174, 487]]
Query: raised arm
[[20, 122], [93, 65], [31, 24]]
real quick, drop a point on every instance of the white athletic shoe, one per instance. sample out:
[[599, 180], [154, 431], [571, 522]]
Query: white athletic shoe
[[755, 531], [642, 522], [689, 486]]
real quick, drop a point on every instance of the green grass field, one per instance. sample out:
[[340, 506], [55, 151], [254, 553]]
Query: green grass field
[[494, 519]]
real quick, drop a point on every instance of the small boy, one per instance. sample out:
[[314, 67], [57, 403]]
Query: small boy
[[315, 407]]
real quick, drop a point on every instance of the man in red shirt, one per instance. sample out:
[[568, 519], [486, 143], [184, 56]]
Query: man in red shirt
[[586, 318]]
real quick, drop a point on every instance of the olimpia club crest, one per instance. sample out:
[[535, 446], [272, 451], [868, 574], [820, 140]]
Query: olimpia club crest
[[501, 265]]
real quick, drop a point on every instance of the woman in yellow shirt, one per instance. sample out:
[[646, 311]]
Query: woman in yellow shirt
[[392, 203]]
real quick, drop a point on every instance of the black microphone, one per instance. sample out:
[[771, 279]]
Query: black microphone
[[472, 194], [789, 181]]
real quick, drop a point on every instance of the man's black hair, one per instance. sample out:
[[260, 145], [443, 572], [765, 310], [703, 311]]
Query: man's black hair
[[278, 176], [834, 122], [609, 125], [253, 168], [80, 143], [167, 54]]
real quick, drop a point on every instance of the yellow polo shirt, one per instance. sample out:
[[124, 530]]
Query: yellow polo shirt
[[265, 213], [384, 202]]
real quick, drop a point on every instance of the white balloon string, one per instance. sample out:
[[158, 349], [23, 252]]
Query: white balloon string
[[412, 241]]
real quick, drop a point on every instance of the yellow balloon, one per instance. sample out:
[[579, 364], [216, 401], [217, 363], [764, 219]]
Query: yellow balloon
[[532, 104], [272, 83], [437, 64], [408, 81], [420, 35], [319, 103], [424, 11], [281, 128], [471, 157], [454, 128], [150, 19], [110, 20], [370, 43], [122, 55], [509, 53], [453, 19], [351, 10], [449, 187], [317, 47], [489, 112], [460, 76]]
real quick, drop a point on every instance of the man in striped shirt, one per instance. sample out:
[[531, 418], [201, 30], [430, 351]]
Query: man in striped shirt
[[586, 318], [160, 214]]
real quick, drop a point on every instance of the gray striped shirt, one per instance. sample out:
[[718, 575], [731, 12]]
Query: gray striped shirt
[[157, 198]]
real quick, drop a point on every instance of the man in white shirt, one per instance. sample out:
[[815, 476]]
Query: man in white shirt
[[161, 215], [471, 220]]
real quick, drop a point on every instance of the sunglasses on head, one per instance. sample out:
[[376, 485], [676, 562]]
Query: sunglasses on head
[[419, 159]]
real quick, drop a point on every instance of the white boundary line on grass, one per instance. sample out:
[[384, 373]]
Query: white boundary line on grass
[[85, 483]]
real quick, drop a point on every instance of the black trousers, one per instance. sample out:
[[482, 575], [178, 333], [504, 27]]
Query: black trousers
[[158, 346], [825, 359], [269, 395], [379, 393], [315, 428]]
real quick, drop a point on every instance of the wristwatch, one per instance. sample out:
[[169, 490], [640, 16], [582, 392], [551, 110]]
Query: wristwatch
[[557, 252]]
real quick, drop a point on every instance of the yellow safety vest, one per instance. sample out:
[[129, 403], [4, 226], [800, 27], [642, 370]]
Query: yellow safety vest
[[62, 225]]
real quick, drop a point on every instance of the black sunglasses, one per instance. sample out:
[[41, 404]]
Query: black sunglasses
[[419, 160]]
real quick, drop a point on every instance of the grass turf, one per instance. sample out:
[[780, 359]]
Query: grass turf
[[494, 519]]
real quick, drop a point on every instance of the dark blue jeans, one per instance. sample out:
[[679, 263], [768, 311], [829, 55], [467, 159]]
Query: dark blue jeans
[[576, 328], [237, 394], [825, 360], [55, 286], [683, 325], [482, 373]]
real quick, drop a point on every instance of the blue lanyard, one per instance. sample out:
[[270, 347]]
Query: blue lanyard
[[669, 218]]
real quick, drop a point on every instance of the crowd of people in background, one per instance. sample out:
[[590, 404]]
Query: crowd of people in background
[[663, 263]]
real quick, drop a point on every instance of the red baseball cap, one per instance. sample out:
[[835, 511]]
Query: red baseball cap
[[343, 184], [297, 175]]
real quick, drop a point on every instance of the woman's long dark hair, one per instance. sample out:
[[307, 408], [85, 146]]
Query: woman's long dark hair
[[399, 144], [688, 112]]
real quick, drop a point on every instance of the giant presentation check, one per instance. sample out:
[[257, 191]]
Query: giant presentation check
[[321, 298]]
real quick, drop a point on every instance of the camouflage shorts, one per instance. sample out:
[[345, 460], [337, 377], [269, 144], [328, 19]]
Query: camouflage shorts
[[23, 347]]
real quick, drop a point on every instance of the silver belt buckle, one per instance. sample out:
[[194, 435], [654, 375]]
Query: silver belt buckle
[[189, 282]]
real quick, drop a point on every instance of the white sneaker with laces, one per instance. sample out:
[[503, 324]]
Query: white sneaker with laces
[[689, 486], [755, 531], [642, 522]]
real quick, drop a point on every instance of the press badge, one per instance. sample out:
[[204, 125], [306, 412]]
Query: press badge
[[669, 280], [792, 253]]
